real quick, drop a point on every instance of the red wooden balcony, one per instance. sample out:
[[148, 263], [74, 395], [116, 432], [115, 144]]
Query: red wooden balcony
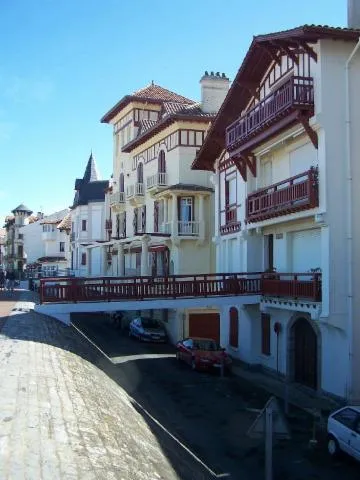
[[100, 289], [300, 192], [231, 224], [295, 285], [295, 94]]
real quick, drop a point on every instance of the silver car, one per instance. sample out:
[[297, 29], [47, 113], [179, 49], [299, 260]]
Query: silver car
[[147, 329], [343, 429]]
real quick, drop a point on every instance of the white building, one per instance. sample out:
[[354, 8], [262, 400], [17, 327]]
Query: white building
[[285, 148], [159, 211], [2, 247], [46, 247], [14, 258], [88, 222]]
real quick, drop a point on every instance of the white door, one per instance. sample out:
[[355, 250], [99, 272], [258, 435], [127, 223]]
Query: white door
[[305, 250]]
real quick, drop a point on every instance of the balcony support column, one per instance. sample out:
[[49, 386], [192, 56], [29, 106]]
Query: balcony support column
[[121, 260], [145, 255], [174, 216]]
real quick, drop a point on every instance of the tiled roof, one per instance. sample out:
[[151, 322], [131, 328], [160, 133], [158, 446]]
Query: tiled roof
[[65, 223], [90, 192], [54, 218], [21, 208], [145, 125], [152, 93], [155, 92], [188, 187]]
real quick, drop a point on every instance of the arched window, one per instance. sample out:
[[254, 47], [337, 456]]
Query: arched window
[[121, 182], [140, 173], [161, 162], [234, 327]]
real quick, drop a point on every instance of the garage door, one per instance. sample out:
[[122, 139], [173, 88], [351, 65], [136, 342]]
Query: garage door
[[306, 250], [205, 325]]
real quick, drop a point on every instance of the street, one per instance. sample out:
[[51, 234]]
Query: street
[[200, 419]]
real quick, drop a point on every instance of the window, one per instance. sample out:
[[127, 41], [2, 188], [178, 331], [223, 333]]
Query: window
[[265, 334], [83, 225], [140, 173], [121, 183], [347, 417], [83, 259], [62, 247], [161, 162], [186, 209], [234, 328]]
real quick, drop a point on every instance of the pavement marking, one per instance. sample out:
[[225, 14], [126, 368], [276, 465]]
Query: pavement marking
[[148, 414], [144, 356]]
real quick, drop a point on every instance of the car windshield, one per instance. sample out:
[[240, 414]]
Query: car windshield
[[150, 323], [208, 345]]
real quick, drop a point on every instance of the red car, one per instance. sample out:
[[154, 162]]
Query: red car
[[202, 354]]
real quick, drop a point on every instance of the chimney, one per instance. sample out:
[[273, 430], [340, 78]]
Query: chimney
[[214, 87], [353, 13]]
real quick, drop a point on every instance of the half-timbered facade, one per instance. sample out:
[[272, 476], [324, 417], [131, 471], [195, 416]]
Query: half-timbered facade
[[284, 150], [159, 211]]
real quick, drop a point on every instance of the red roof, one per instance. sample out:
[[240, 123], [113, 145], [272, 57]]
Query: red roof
[[150, 94], [256, 62]]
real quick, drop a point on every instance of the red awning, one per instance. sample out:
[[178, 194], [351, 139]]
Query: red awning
[[158, 248]]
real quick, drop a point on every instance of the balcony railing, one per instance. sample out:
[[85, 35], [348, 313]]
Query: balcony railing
[[116, 198], [231, 224], [135, 190], [296, 93], [188, 228], [159, 179], [295, 285], [300, 192], [165, 227]]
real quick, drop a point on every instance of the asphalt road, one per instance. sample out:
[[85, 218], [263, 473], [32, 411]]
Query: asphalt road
[[200, 420]]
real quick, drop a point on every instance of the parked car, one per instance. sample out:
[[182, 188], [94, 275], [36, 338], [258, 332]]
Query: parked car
[[343, 429], [147, 329], [202, 354]]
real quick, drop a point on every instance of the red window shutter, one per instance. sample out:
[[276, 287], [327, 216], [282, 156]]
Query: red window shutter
[[156, 216], [121, 182], [140, 173], [265, 334], [161, 162], [234, 327], [124, 225]]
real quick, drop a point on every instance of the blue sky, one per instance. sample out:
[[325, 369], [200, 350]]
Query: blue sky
[[63, 64]]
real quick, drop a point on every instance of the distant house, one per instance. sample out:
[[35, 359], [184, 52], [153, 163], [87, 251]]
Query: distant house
[[14, 243], [46, 248], [88, 222]]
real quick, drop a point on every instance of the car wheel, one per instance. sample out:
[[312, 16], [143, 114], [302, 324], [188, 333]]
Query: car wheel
[[193, 364], [333, 446]]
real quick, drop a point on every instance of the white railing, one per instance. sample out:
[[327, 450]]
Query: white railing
[[117, 197], [49, 235], [188, 228], [165, 227], [159, 179], [135, 190]]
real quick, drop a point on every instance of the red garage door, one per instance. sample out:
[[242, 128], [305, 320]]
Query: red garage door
[[205, 325]]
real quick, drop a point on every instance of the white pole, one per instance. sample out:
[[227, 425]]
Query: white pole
[[268, 443]]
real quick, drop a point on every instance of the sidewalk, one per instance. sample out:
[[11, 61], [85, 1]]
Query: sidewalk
[[61, 417], [308, 401]]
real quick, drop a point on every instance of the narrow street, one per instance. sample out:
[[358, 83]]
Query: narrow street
[[207, 414]]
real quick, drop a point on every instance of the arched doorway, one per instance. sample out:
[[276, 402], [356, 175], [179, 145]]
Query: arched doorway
[[305, 356]]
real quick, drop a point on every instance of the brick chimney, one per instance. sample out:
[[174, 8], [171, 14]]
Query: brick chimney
[[214, 87], [353, 14]]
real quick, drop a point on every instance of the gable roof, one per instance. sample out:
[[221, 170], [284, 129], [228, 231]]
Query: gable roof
[[150, 94], [65, 223], [257, 60]]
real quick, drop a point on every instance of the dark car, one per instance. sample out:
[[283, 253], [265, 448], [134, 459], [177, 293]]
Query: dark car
[[147, 329], [203, 354]]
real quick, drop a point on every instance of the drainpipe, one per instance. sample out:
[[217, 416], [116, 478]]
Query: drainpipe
[[349, 214]]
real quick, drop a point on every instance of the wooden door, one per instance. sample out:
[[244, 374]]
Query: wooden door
[[205, 325]]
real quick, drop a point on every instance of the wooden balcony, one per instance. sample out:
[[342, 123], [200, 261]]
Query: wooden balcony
[[306, 286], [231, 224], [294, 194], [293, 96]]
